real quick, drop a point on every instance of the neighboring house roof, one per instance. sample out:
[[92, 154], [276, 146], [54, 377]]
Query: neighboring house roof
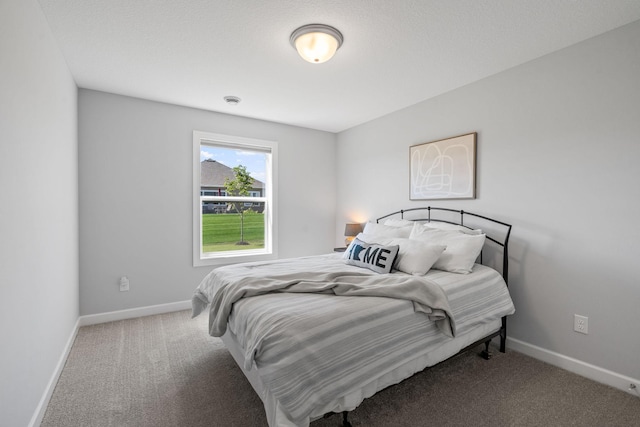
[[213, 174]]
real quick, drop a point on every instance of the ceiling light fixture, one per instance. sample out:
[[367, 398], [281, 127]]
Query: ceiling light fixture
[[316, 43]]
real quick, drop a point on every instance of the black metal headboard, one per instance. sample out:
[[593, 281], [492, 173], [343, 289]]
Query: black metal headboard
[[496, 231]]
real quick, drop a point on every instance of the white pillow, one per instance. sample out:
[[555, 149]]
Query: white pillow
[[375, 257], [414, 257], [372, 238], [452, 227], [395, 222], [461, 252], [381, 230]]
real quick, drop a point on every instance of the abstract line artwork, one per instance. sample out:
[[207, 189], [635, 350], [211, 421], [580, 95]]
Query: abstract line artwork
[[444, 169]]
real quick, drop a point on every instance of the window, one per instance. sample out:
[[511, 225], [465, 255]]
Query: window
[[234, 183]]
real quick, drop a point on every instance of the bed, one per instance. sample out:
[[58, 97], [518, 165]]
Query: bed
[[318, 335]]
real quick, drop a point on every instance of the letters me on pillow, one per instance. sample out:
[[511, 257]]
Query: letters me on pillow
[[378, 258], [461, 252]]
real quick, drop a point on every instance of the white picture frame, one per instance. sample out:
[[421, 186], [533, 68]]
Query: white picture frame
[[443, 169]]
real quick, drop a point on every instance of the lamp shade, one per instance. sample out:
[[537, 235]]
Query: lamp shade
[[316, 43], [351, 230]]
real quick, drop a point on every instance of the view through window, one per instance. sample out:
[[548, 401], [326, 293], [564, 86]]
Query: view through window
[[234, 197]]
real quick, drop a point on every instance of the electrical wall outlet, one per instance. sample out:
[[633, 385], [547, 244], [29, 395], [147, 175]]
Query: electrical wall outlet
[[581, 324], [124, 284]]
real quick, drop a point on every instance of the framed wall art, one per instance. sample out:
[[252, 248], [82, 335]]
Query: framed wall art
[[444, 169]]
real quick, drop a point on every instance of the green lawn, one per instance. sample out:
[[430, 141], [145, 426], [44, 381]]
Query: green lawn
[[221, 232]]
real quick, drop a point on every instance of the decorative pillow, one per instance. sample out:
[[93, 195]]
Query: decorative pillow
[[452, 227], [461, 252], [375, 257], [395, 222], [381, 230]]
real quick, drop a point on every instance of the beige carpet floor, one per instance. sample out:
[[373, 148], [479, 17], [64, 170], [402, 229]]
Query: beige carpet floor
[[165, 370]]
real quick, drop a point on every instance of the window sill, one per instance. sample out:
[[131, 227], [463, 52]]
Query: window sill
[[225, 258]]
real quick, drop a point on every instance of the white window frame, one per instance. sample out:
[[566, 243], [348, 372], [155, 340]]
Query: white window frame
[[270, 250]]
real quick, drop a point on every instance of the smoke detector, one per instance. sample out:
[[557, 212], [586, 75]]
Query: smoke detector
[[232, 100]]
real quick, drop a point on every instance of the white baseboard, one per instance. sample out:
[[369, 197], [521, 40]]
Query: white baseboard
[[111, 316], [38, 415], [595, 373]]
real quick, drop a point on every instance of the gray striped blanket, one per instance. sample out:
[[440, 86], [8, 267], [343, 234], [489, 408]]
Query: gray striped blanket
[[311, 347]]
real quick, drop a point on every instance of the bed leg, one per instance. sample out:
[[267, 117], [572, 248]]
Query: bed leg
[[503, 336], [486, 354], [345, 421]]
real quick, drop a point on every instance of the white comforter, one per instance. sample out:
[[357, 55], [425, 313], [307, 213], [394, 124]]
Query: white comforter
[[310, 348]]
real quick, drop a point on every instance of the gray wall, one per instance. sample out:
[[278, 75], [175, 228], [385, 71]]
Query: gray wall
[[38, 209], [558, 150], [135, 170]]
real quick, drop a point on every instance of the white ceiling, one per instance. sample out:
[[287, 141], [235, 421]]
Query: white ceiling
[[395, 53]]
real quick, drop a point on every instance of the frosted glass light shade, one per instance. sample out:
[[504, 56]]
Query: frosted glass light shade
[[316, 43]]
